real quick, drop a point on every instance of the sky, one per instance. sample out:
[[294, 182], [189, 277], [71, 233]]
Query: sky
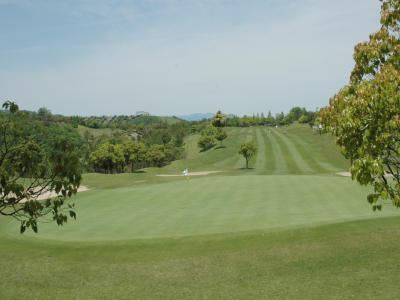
[[174, 57]]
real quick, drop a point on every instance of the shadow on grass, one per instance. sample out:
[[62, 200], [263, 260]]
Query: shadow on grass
[[206, 149], [219, 147], [139, 172], [247, 168]]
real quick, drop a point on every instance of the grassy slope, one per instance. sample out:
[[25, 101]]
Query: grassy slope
[[93, 131], [170, 120], [289, 150], [340, 260]]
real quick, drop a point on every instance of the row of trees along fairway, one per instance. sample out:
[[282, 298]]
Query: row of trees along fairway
[[295, 114], [29, 170], [114, 158], [365, 115]]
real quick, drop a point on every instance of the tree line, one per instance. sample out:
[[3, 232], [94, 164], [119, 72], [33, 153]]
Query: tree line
[[298, 114]]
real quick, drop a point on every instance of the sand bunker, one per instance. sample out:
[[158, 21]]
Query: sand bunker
[[53, 194], [345, 174], [348, 174], [202, 173]]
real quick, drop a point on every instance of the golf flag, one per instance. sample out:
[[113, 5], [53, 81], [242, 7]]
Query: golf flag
[[186, 174]]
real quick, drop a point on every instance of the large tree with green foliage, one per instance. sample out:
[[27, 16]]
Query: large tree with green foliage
[[155, 155], [108, 157], [365, 115], [219, 120], [221, 135], [135, 154], [248, 151], [28, 172]]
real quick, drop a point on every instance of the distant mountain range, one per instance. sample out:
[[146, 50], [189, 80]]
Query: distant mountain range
[[196, 117]]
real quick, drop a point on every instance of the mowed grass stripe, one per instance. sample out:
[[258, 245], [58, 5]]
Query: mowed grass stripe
[[324, 147], [316, 156], [281, 166], [294, 154], [261, 153], [309, 155], [291, 165], [270, 161]]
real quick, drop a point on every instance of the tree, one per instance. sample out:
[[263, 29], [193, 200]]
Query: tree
[[248, 150], [28, 173], [209, 130], [206, 142], [270, 119], [364, 115], [303, 119], [44, 113], [134, 153], [108, 157], [245, 121], [221, 135], [156, 156], [166, 138], [219, 120]]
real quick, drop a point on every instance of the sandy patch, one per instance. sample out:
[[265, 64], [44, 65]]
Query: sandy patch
[[348, 174], [202, 173], [345, 174], [53, 194]]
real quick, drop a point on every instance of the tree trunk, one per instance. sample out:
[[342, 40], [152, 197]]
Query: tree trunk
[[247, 163]]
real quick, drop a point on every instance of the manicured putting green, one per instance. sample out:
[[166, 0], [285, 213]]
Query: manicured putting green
[[215, 204]]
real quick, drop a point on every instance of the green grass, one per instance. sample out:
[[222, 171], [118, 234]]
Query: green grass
[[338, 261], [211, 205], [95, 132], [289, 150], [171, 120], [289, 227]]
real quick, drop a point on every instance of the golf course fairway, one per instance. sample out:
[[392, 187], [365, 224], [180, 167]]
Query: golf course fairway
[[214, 204], [288, 227]]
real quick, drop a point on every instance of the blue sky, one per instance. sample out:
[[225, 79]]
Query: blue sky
[[172, 57]]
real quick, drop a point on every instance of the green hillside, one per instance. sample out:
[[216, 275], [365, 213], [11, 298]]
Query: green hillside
[[95, 132], [287, 150]]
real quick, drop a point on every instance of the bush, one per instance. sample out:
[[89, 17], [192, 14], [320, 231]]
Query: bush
[[206, 142]]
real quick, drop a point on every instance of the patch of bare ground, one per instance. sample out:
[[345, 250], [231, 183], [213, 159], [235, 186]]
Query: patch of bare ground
[[345, 174], [348, 174], [52, 194]]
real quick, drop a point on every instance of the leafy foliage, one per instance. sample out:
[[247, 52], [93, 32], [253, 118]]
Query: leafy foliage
[[108, 158], [248, 151], [221, 135], [219, 120], [206, 142], [29, 171], [365, 115]]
